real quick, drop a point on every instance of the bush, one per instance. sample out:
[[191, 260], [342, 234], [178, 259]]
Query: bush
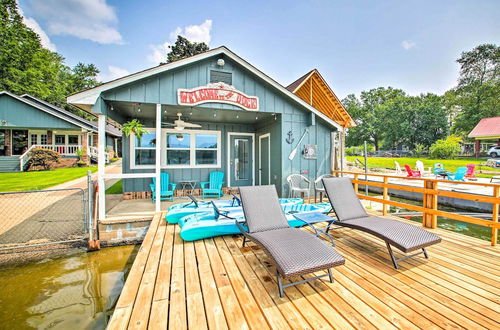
[[419, 150], [43, 158], [446, 148], [358, 150]]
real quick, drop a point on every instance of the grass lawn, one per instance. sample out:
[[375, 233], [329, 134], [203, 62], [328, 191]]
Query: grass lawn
[[116, 188], [449, 164], [36, 180]]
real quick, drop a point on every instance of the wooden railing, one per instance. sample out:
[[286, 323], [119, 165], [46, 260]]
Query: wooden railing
[[430, 193]]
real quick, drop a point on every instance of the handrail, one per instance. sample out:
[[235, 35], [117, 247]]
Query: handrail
[[430, 194], [22, 161]]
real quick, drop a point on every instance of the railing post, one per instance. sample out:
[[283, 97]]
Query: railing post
[[356, 185], [430, 201], [385, 195], [494, 231]]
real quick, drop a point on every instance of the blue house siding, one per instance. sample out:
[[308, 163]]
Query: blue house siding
[[18, 114]]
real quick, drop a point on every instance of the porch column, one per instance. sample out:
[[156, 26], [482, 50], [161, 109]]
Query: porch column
[[116, 147], [478, 148], [85, 146], [101, 162], [158, 159]]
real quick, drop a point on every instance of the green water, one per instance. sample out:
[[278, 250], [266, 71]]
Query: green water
[[77, 291]]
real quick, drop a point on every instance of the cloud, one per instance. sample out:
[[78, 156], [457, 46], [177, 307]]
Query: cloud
[[33, 24], [93, 20], [194, 33], [113, 73], [408, 44]]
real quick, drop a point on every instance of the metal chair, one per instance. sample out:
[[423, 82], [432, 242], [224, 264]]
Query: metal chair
[[319, 188], [297, 184]]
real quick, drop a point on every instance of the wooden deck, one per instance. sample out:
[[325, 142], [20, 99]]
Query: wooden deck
[[216, 284]]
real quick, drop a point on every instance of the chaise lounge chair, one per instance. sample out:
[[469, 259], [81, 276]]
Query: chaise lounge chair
[[293, 251], [350, 213]]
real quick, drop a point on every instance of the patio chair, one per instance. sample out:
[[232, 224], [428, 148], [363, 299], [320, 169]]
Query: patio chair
[[293, 251], [421, 168], [398, 168], [412, 173], [438, 169], [318, 186], [214, 189], [166, 188], [459, 175], [350, 213], [298, 183], [470, 174]]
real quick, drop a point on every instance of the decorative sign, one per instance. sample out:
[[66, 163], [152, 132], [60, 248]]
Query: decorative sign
[[310, 151], [217, 93]]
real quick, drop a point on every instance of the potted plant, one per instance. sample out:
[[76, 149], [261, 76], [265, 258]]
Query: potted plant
[[134, 126], [81, 153]]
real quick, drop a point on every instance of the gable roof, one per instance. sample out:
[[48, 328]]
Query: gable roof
[[487, 127], [86, 99], [61, 113], [333, 108]]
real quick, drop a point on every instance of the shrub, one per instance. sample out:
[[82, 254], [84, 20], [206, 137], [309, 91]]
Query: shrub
[[419, 150], [43, 158], [446, 148], [358, 150]]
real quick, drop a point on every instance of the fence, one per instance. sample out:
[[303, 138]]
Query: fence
[[430, 194], [37, 218]]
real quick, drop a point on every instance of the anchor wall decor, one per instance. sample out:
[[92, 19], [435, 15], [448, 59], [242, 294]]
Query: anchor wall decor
[[290, 138]]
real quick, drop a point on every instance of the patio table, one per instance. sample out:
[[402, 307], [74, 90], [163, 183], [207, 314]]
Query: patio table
[[190, 184], [311, 218]]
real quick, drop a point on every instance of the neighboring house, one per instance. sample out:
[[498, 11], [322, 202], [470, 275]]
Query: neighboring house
[[27, 122], [249, 124], [486, 133]]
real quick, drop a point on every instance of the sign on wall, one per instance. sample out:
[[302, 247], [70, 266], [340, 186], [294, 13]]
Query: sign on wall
[[217, 93]]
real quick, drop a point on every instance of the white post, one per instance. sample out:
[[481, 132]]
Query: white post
[[116, 148], [158, 158], [101, 162]]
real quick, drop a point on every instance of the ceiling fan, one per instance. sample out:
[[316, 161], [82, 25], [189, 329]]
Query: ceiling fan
[[180, 124]]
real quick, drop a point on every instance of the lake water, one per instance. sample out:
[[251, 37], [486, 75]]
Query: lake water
[[78, 291]]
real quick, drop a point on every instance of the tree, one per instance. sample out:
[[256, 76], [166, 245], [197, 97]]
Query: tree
[[369, 114], [477, 94], [184, 48], [27, 67]]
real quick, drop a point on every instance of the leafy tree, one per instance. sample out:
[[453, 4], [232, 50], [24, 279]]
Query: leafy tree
[[27, 67], [184, 48], [369, 114], [477, 95], [446, 148]]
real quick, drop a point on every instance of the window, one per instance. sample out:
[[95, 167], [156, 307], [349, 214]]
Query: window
[[43, 138], [72, 139], [144, 149], [221, 76], [178, 149], [34, 139], [206, 149], [60, 139]]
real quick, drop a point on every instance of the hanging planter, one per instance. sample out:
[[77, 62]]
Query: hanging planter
[[134, 126]]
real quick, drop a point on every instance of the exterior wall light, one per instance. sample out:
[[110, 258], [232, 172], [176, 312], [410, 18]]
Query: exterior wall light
[[220, 62]]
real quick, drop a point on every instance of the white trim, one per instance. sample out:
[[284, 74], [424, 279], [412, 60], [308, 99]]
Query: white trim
[[192, 149], [267, 135], [159, 135], [88, 98], [101, 165], [228, 146]]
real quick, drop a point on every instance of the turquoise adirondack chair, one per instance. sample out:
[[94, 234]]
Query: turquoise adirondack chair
[[167, 188], [459, 175], [438, 169], [214, 184]]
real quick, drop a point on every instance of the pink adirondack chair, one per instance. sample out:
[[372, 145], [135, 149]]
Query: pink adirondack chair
[[412, 173], [470, 171]]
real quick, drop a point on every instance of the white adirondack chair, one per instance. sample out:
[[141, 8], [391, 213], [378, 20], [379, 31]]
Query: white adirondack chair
[[398, 168], [420, 167]]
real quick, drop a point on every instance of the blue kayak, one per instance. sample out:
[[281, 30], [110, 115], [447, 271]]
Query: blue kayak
[[177, 211], [205, 225]]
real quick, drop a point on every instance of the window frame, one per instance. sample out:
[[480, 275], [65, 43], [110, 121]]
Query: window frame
[[192, 154]]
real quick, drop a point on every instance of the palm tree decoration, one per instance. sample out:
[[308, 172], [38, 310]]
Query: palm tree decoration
[[134, 126]]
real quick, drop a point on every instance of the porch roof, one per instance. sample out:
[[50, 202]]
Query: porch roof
[[88, 98], [486, 128]]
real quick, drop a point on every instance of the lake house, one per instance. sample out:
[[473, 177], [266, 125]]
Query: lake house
[[217, 112]]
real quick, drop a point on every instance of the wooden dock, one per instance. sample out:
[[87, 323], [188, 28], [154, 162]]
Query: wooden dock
[[217, 284]]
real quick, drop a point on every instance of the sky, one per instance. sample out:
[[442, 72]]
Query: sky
[[356, 45]]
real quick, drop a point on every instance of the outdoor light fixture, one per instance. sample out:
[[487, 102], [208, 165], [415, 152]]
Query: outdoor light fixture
[[139, 107], [220, 62], [237, 116], [215, 114], [112, 108], [180, 137]]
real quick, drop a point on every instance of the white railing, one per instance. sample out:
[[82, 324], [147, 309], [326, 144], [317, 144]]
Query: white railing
[[61, 149], [23, 159], [94, 154]]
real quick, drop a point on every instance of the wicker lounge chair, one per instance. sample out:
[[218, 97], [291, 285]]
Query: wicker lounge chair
[[350, 213], [293, 251]]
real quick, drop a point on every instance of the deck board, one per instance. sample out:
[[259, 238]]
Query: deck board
[[217, 284]]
